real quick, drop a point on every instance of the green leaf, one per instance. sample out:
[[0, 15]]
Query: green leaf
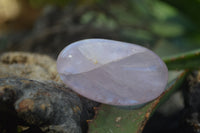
[[188, 60], [163, 11], [190, 9], [110, 119], [165, 48], [166, 29]]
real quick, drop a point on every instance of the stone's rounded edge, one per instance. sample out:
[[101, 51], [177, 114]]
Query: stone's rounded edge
[[69, 46], [65, 49], [122, 106], [164, 65], [63, 54], [126, 106]]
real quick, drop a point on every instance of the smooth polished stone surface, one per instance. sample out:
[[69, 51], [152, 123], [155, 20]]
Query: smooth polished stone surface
[[112, 72]]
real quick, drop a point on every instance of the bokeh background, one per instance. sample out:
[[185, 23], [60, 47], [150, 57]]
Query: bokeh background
[[167, 27], [46, 26]]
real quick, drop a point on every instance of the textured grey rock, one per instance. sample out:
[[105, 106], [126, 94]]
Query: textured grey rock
[[49, 106], [32, 96]]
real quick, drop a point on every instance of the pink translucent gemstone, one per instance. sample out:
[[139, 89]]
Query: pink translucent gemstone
[[112, 72]]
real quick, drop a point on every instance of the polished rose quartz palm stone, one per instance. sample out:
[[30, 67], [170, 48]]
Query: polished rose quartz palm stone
[[112, 72]]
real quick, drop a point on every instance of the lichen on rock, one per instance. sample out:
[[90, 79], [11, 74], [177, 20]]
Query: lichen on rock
[[27, 65]]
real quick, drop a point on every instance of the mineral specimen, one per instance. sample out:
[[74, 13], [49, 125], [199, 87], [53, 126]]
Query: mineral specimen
[[112, 72]]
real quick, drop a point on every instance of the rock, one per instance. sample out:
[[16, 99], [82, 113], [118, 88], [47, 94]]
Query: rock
[[112, 72], [46, 105], [192, 103], [33, 96], [32, 66]]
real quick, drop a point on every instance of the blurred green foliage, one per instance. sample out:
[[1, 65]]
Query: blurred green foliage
[[167, 26]]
